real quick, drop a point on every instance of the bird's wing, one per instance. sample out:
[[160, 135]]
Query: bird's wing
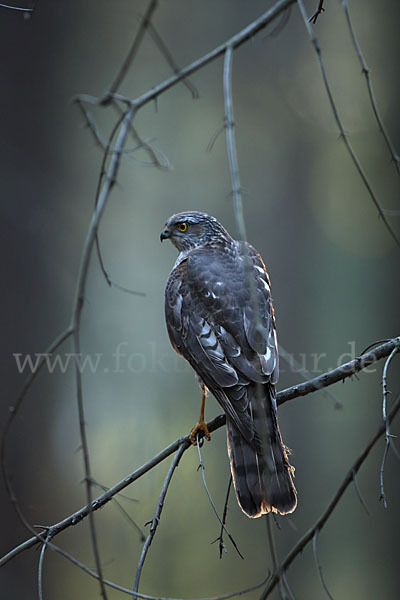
[[211, 301]]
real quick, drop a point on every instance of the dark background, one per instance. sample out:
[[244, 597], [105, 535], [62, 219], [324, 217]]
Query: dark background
[[333, 265]]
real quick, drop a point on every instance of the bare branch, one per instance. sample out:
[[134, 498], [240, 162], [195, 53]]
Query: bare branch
[[122, 510], [292, 362], [235, 42], [302, 543], [274, 555], [366, 72], [109, 181], [223, 526], [319, 567], [170, 59], [385, 420], [362, 501], [26, 10], [13, 411], [343, 134], [132, 51], [157, 515], [40, 568], [319, 10], [340, 373], [302, 389], [220, 538], [231, 145], [125, 590]]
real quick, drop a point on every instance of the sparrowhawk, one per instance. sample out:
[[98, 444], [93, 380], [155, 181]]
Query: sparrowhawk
[[220, 318]]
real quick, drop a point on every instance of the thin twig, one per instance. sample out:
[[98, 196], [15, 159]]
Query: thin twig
[[122, 510], [366, 72], [102, 175], [132, 51], [319, 566], [287, 588], [307, 537], [231, 145], [320, 9], [223, 526], [392, 213], [125, 590], [40, 568], [117, 151], [361, 499], [237, 190], [106, 146], [385, 420], [16, 8], [220, 538], [236, 41], [13, 411], [170, 59], [340, 373], [296, 391], [280, 26], [157, 515], [152, 152], [292, 362], [100, 139], [109, 181], [381, 473], [274, 555], [343, 134]]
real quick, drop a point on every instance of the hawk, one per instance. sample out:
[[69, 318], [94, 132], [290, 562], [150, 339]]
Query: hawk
[[220, 318]]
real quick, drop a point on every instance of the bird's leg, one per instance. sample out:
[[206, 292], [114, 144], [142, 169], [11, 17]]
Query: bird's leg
[[201, 425]]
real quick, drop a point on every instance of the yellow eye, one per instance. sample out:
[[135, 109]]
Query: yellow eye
[[182, 227]]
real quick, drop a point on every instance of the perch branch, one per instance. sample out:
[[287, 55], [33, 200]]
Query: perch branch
[[324, 380]]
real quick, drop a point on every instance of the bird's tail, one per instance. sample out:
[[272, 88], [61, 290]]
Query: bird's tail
[[262, 475]]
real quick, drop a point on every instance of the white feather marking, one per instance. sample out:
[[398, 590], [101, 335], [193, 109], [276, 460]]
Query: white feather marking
[[265, 284], [205, 329], [260, 269], [214, 295]]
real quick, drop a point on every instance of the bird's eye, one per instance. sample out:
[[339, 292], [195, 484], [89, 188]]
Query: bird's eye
[[182, 227]]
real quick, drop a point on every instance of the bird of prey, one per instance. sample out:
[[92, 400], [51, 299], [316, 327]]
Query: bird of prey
[[220, 318]]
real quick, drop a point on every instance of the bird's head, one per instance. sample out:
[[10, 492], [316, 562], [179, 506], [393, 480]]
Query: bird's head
[[188, 230]]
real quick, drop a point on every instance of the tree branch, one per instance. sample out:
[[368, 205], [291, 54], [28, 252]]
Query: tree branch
[[235, 42], [302, 389], [301, 544], [157, 515], [77, 313], [366, 72], [340, 373], [343, 134]]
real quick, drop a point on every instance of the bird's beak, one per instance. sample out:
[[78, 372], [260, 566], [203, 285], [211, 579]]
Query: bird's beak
[[165, 235]]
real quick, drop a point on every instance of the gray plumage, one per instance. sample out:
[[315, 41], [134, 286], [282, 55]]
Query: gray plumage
[[220, 318]]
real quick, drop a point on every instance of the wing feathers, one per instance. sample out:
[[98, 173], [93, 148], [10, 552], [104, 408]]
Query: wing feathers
[[229, 339]]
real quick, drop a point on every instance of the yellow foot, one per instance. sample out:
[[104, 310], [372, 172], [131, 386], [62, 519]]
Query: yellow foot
[[201, 426]]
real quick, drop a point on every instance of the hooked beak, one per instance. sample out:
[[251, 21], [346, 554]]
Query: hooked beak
[[165, 235]]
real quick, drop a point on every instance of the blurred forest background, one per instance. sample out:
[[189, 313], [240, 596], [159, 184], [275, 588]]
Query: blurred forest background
[[333, 265]]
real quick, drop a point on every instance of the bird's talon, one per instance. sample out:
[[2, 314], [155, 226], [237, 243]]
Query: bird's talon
[[201, 426]]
